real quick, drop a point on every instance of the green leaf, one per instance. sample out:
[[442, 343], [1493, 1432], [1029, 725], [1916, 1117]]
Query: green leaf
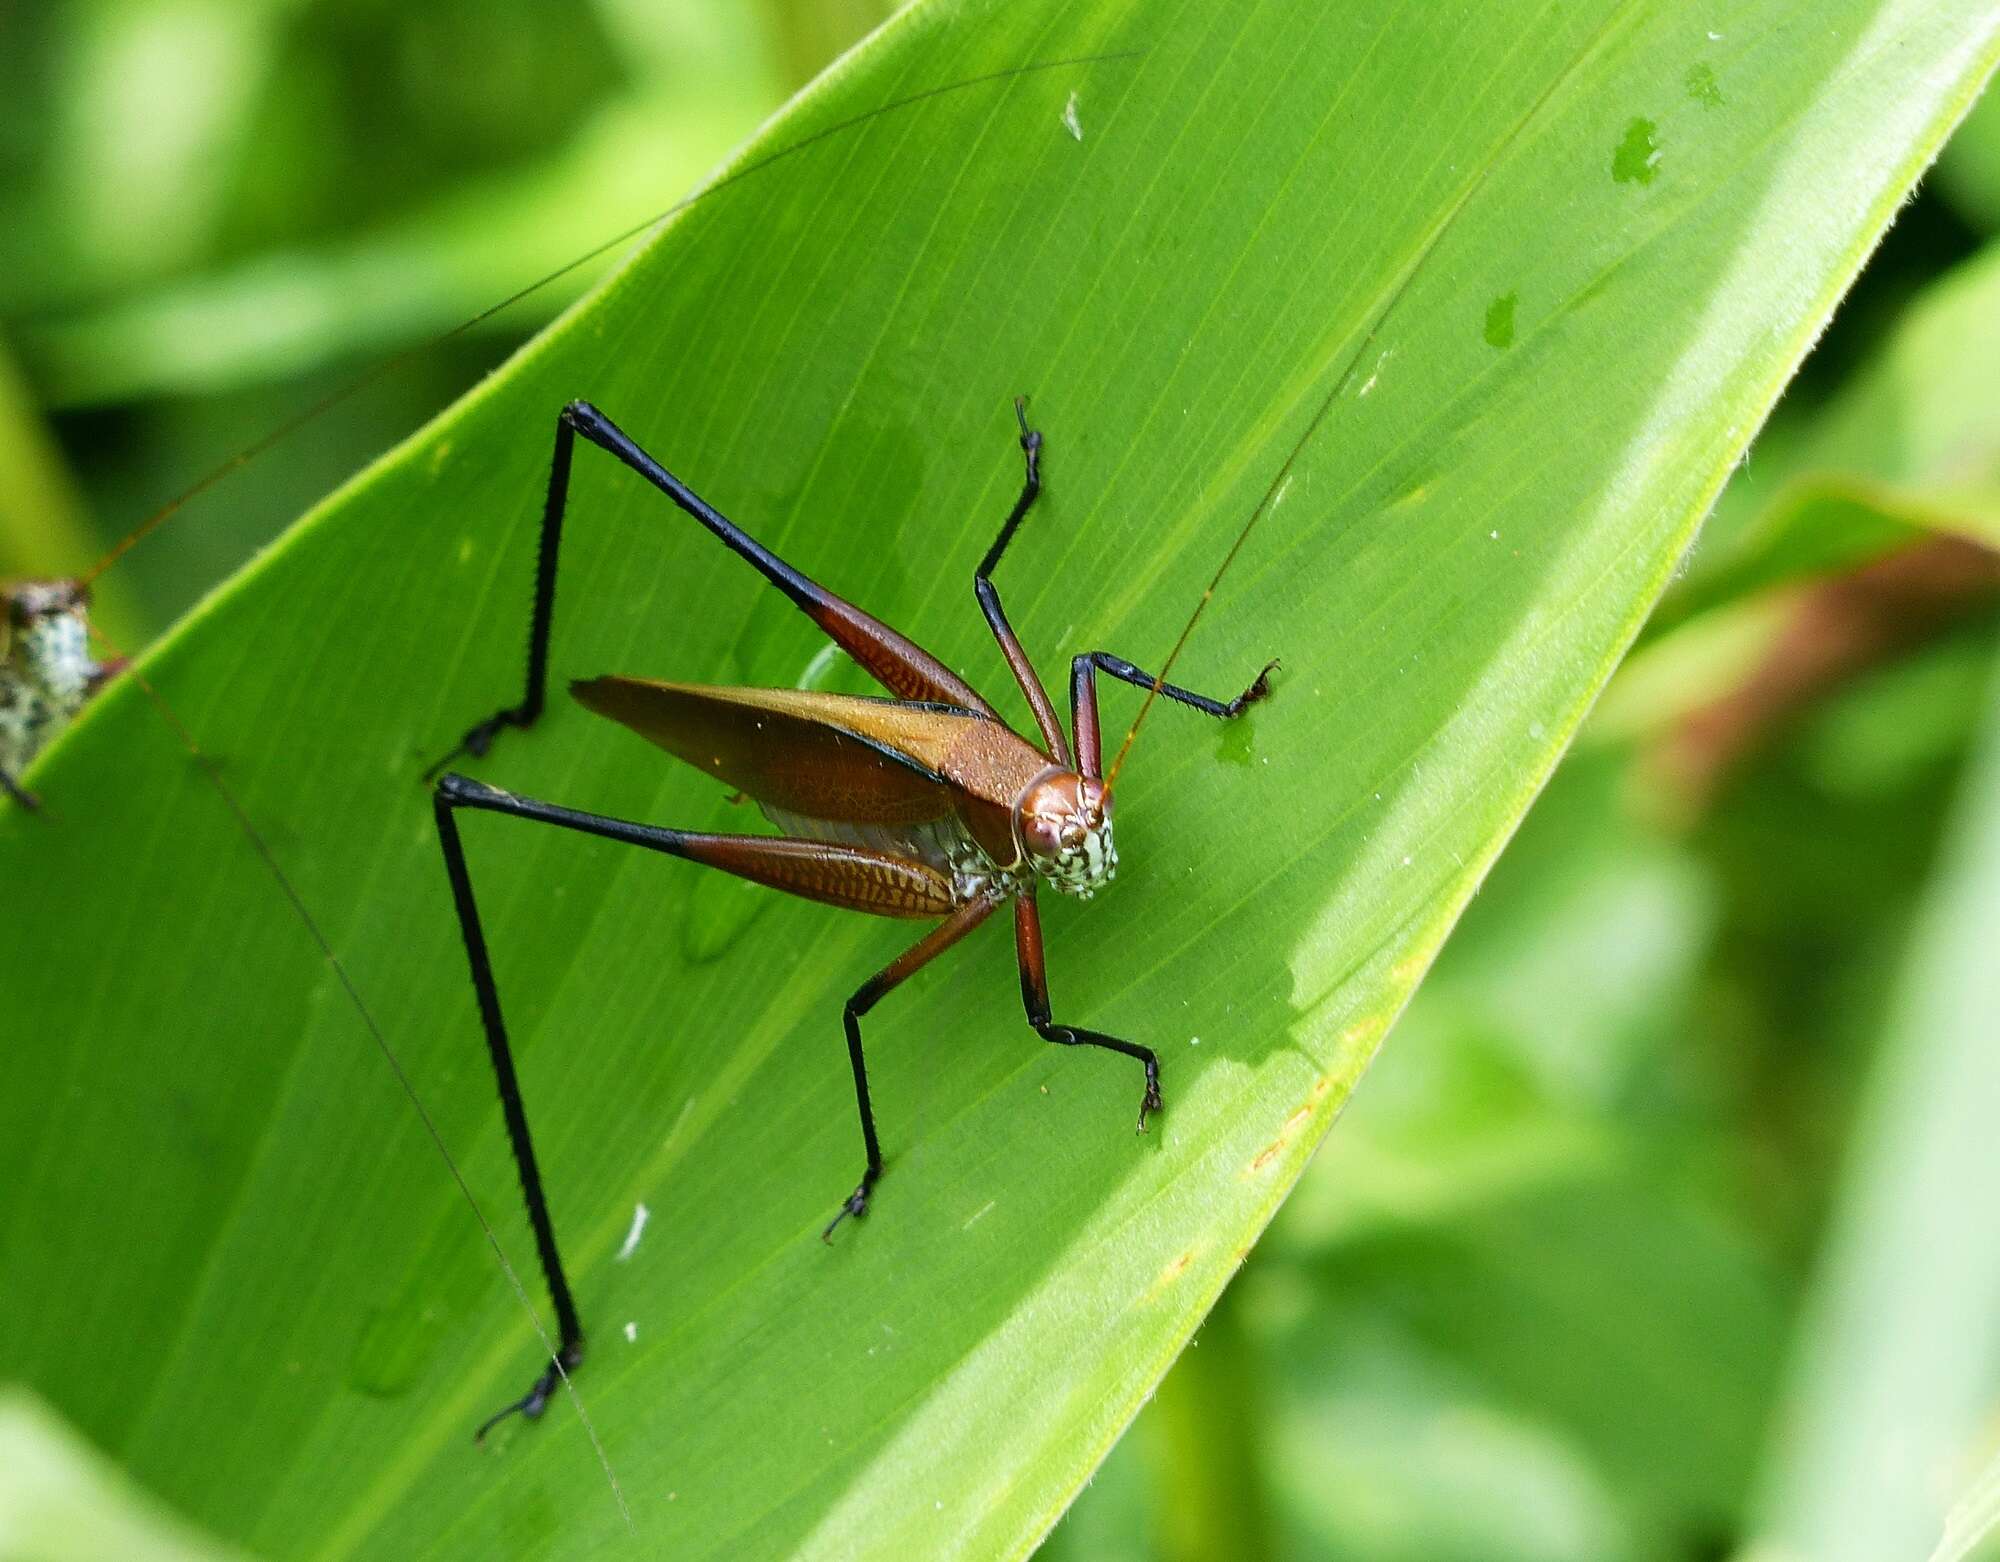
[[1910, 449], [61, 1501], [1974, 1519], [1618, 1312], [1969, 171], [1254, 255], [1892, 1384]]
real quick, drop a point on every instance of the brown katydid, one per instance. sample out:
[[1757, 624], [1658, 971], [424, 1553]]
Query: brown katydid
[[924, 804]]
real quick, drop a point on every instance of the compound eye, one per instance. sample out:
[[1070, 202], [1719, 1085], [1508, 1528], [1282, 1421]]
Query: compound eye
[[1042, 836]]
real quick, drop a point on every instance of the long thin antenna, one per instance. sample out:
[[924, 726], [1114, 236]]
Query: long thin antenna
[[213, 773], [333, 398], [1284, 473], [1229, 558]]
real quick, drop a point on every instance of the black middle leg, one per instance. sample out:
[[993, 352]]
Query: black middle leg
[[870, 993], [1035, 998]]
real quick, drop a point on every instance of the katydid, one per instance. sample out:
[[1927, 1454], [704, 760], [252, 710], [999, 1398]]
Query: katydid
[[921, 805]]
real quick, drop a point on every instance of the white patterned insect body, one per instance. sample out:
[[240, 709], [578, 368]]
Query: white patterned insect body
[[46, 669]]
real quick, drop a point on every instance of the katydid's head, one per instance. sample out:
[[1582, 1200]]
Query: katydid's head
[[1065, 825], [29, 601]]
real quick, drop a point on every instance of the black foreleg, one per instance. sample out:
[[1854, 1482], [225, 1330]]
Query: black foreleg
[[1083, 700]]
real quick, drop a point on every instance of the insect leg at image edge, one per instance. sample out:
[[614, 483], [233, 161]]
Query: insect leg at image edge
[[925, 804]]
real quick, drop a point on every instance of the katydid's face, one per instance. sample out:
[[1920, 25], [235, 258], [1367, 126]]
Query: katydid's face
[[1065, 823]]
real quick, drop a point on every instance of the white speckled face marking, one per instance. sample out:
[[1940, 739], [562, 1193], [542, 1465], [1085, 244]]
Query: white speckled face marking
[[1065, 826]]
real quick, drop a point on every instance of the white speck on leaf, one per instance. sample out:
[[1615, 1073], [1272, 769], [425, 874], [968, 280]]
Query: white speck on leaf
[[640, 1215], [632, 1334], [1070, 122]]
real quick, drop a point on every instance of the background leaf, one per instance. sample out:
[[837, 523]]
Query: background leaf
[[61, 1501], [1893, 1389], [1911, 448], [1504, 362]]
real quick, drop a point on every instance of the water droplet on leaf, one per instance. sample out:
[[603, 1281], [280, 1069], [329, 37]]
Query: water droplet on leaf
[[1637, 159]]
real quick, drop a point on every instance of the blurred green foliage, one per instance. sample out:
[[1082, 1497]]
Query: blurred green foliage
[[1559, 1287], [61, 1500], [180, 274]]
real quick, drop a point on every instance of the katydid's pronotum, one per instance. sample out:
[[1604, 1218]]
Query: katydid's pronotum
[[922, 805]]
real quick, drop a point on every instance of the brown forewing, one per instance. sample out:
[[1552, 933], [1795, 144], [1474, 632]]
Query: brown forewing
[[828, 756]]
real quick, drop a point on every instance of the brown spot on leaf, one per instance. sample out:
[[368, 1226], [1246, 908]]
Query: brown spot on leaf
[[1276, 1147]]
